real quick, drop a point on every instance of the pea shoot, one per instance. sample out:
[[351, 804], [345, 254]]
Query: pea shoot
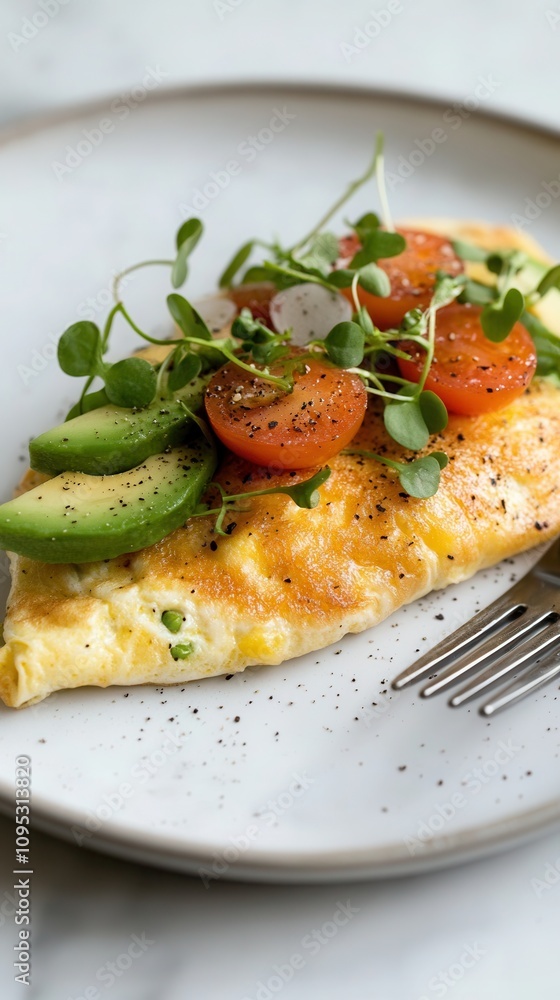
[[305, 495], [419, 478], [504, 304]]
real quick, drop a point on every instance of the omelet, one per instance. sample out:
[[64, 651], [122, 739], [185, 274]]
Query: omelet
[[286, 580]]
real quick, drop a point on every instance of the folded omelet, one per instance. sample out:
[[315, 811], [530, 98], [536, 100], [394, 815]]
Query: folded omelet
[[286, 580]]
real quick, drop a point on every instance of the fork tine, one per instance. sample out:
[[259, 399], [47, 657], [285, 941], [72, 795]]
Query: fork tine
[[482, 625], [542, 673], [509, 635], [531, 649]]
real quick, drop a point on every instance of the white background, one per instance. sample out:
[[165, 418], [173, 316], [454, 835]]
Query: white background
[[218, 943]]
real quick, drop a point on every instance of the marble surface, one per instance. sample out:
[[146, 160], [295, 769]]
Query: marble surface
[[102, 927]]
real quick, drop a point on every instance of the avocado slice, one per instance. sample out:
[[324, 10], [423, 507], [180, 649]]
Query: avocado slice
[[77, 518], [112, 439]]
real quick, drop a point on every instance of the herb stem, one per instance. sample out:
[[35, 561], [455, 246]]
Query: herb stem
[[355, 298], [379, 164], [371, 454], [109, 324], [283, 383], [136, 267], [146, 336], [302, 276], [430, 350], [350, 191], [377, 379]]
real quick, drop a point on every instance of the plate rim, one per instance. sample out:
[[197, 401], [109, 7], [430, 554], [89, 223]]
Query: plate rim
[[274, 865]]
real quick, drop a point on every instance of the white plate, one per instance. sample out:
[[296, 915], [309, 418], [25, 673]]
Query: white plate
[[288, 772]]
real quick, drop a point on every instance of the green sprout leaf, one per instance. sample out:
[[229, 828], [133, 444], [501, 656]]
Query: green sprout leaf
[[91, 401], [255, 275], [433, 411], [342, 278], [421, 478], [547, 345], [406, 424], [498, 318], [345, 345], [235, 264], [187, 238], [506, 263], [477, 294], [363, 319], [550, 280], [446, 290], [468, 251], [306, 494], [131, 383], [365, 225], [189, 234], [378, 245], [374, 280], [322, 253], [80, 349], [186, 317], [183, 371]]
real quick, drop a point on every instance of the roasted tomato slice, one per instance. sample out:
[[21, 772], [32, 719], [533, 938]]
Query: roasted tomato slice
[[296, 430], [412, 275], [470, 373]]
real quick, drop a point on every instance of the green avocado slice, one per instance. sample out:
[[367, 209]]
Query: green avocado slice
[[112, 439], [77, 518]]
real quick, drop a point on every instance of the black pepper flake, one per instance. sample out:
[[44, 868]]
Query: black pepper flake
[[213, 545]]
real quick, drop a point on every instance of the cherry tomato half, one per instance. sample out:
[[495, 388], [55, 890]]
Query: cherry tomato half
[[296, 430], [470, 373], [412, 275]]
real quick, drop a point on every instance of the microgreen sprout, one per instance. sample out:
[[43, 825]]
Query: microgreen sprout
[[419, 478], [504, 304], [305, 494]]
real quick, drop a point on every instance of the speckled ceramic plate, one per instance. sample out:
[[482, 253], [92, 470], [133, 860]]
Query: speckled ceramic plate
[[312, 769]]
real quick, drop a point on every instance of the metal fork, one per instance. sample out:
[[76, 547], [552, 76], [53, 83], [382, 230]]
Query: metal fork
[[519, 635]]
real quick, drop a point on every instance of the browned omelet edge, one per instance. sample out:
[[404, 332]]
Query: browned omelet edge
[[288, 581]]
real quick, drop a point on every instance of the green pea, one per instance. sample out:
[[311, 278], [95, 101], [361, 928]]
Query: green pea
[[182, 651], [173, 620]]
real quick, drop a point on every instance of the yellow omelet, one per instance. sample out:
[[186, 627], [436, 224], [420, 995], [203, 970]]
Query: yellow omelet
[[288, 580]]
